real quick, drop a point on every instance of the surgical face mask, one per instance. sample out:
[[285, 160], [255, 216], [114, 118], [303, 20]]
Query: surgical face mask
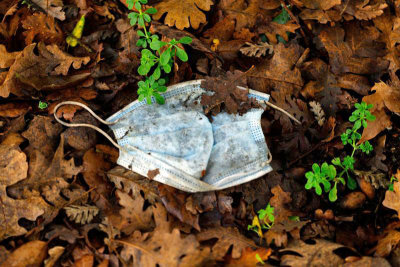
[[178, 143]]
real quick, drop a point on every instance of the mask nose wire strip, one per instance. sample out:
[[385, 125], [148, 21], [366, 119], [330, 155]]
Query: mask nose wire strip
[[283, 111], [85, 124]]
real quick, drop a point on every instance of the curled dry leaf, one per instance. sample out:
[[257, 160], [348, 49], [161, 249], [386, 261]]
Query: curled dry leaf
[[257, 50], [32, 253], [40, 27], [7, 59], [387, 242], [54, 254], [81, 214], [227, 237], [180, 12], [279, 201], [13, 110], [318, 112]]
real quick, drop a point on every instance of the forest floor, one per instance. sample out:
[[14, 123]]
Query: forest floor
[[333, 197]]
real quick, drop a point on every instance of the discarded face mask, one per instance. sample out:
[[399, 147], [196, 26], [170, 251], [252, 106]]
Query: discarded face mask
[[177, 145]]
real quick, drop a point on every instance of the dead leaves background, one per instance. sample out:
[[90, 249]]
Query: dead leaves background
[[64, 200]]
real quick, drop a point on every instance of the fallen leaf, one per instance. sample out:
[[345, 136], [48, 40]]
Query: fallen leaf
[[164, 247], [179, 12], [85, 261], [174, 202], [318, 253], [133, 183], [227, 237], [32, 253], [132, 216], [279, 201], [54, 254], [34, 69], [343, 56], [40, 27], [389, 240], [249, 257], [353, 200], [13, 110], [367, 262], [14, 168], [272, 29], [7, 59], [52, 7], [392, 198], [153, 173]]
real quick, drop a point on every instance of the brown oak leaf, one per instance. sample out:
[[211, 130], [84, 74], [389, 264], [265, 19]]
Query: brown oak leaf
[[392, 198], [41, 27], [227, 237], [32, 253], [249, 257], [7, 59], [52, 7], [179, 12]]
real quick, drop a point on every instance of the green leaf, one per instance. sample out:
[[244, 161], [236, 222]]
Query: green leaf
[[161, 81], [147, 18], [318, 189], [370, 117], [165, 57], [333, 194], [155, 44], [357, 125], [325, 168], [140, 33], [148, 100], [309, 175], [138, 6], [181, 54], [336, 161], [327, 185], [167, 68], [316, 168], [353, 118], [151, 11], [162, 88], [140, 42], [157, 73], [283, 17], [141, 21], [331, 172], [160, 99], [130, 4], [351, 183], [43, 105], [143, 1], [185, 40], [141, 97], [143, 69]]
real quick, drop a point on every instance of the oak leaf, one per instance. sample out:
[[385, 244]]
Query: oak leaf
[[318, 254], [7, 59], [51, 7], [32, 253], [34, 69], [227, 237], [389, 240], [249, 257], [13, 110], [43, 28], [180, 12], [279, 201], [343, 55], [163, 247], [14, 168], [385, 96], [392, 198], [273, 29]]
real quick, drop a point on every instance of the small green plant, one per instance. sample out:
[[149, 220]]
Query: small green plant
[[391, 185], [266, 217], [258, 258], [43, 105], [156, 56], [326, 174]]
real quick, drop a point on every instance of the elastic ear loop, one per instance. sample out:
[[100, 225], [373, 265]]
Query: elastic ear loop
[[86, 124]]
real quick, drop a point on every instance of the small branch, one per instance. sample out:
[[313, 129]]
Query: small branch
[[283, 111]]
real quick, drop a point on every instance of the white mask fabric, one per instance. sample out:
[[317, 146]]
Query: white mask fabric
[[178, 142]]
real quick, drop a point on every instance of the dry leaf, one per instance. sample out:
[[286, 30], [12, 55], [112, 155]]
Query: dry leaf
[[14, 168], [389, 240], [132, 217], [180, 12], [257, 50], [31, 253], [54, 254], [318, 112], [133, 183], [52, 7], [13, 110], [40, 27], [227, 237], [34, 70], [318, 254], [7, 59], [272, 29], [81, 214], [279, 201], [163, 247], [392, 198], [249, 258]]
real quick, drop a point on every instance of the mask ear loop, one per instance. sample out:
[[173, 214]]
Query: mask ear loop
[[86, 124]]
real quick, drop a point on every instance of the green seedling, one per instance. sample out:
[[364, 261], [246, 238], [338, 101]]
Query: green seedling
[[391, 185], [264, 220], [43, 105], [258, 258], [326, 174], [156, 56]]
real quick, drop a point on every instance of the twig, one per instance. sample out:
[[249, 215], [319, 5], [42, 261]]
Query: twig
[[283, 111]]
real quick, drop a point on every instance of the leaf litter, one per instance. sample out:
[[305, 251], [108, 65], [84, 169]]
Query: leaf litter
[[65, 201]]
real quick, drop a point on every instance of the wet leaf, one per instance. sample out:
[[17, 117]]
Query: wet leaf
[[39, 27]]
